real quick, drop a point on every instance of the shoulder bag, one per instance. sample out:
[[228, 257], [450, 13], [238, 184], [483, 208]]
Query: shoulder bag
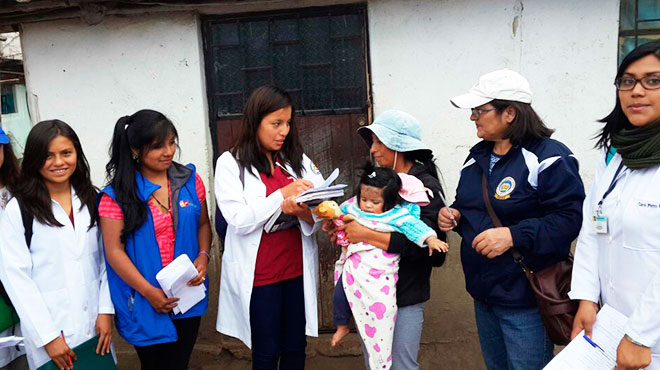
[[550, 285]]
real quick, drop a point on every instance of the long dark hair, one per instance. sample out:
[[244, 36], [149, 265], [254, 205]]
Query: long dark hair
[[139, 132], [382, 178], [247, 149], [10, 171], [526, 126], [617, 120], [33, 191]]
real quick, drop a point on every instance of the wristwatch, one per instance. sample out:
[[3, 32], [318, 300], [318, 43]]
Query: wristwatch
[[634, 341]]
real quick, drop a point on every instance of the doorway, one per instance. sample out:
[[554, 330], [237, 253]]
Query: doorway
[[320, 57]]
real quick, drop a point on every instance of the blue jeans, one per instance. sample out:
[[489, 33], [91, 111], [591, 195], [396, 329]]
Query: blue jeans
[[407, 334], [341, 310], [512, 338], [277, 321]]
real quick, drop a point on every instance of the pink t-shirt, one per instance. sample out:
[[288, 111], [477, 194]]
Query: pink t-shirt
[[163, 222]]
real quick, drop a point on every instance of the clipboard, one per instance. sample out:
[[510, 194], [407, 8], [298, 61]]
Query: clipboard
[[87, 358]]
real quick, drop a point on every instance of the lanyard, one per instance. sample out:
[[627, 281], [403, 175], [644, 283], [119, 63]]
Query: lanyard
[[615, 180]]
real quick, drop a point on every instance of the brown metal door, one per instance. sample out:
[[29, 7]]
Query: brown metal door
[[318, 56]]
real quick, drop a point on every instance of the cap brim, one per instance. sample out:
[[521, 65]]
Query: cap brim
[[383, 133], [469, 101]]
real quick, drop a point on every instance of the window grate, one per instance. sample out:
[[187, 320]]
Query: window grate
[[639, 23], [315, 55], [8, 101]]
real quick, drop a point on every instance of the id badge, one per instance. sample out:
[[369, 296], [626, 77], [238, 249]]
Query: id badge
[[600, 224]]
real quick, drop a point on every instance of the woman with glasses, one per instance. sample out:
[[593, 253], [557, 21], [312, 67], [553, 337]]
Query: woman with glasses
[[535, 189], [617, 259]]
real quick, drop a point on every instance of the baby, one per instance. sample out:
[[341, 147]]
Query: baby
[[365, 275]]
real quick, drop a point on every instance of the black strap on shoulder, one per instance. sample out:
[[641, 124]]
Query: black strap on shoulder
[[241, 174], [517, 257], [27, 222]]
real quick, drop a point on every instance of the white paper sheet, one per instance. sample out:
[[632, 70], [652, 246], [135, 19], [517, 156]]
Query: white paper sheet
[[581, 355], [323, 192], [11, 341], [173, 279]]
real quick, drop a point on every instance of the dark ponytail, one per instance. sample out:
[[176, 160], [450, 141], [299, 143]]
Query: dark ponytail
[[10, 170], [137, 134]]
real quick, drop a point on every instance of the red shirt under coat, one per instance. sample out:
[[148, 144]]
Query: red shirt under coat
[[280, 253]]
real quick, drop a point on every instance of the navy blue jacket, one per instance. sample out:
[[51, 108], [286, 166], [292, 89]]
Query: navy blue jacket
[[537, 192], [136, 320]]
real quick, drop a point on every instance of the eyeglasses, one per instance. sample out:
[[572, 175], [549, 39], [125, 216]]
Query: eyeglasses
[[478, 112], [628, 83]]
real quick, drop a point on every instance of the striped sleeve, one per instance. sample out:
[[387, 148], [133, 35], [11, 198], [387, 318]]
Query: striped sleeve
[[108, 208], [199, 187]]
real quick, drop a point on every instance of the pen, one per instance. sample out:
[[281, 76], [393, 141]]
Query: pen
[[593, 344], [451, 216], [62, 332], [285, 171]]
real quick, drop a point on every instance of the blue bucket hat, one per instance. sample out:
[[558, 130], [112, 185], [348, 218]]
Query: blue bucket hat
[[4, 139], [398, 130]]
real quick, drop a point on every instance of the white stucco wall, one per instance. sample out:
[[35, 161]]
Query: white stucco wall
[[89, 76], [425, 52]]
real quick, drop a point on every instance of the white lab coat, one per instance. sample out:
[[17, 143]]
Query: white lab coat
[[9, 354], [622, 267], [60, 283], [247, 210]]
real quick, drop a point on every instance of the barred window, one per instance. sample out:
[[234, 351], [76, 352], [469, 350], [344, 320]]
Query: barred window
[[316, 56], [8, 101], [639, 23]]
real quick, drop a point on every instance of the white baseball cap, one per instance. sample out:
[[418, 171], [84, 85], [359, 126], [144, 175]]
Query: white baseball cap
[[503, 84]]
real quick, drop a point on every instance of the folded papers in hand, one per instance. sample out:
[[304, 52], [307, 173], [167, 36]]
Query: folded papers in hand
[[174, 278]]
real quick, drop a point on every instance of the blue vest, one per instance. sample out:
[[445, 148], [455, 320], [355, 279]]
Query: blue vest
[[136, 320]]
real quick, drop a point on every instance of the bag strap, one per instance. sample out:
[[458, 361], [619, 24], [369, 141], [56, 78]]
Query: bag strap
[[27, 219], [517, 257], [241, 174]]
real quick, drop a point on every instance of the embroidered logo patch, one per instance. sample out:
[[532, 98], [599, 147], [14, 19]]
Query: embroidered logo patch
[[315, 169], [505, 188], [184, 203]]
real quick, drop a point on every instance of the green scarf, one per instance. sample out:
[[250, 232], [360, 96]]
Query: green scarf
[[640, 146]]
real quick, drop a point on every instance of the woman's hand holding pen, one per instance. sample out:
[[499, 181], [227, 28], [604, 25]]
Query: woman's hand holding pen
[[159, 300], [60, 353], [104, 330], [448, 218], [201, 263], [296, 187]]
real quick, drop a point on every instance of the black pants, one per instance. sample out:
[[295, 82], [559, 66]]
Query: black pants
[[172, 355], [277, 320]]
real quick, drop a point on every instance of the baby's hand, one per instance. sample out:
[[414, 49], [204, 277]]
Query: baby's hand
[[436, 244]]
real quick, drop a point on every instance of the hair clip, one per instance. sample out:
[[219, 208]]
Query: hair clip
[[372, 175], [125, 127]]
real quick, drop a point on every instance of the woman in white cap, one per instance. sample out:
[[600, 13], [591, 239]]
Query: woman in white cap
[[394, 141], [616, 258], [534, 187]]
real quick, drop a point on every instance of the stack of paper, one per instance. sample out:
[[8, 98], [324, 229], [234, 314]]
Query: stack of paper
[[599, 352], [174, 278], [312, 196], [315, 196], [11, 341]]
